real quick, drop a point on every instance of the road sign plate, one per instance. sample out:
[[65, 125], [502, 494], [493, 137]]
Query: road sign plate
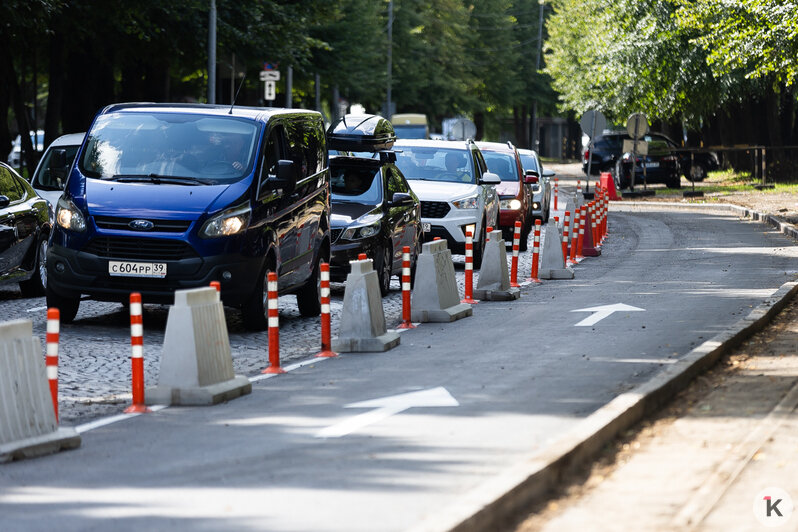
[[269, 92], [270, 75], [637, 125]]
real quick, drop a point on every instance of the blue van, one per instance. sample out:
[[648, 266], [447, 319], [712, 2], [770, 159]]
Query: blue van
[[172, 196]]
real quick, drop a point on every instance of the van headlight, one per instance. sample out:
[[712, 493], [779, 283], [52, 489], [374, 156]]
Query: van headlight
[[68, 216], [466, 203], [227, 223], [511, 204], [363, 227]]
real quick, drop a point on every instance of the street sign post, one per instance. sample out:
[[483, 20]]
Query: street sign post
[[592, 122], [636, 126]]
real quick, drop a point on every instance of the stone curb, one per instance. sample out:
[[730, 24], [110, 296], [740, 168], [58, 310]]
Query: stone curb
[[744, 212], [498, 503]]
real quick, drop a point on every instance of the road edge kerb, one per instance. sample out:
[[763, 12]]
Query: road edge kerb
[[744, 212], [499, 502]]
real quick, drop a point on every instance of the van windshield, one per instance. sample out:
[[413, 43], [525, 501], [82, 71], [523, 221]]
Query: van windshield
[[171, 146]]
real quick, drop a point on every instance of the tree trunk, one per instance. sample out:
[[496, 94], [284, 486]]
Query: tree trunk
[[56, 90]]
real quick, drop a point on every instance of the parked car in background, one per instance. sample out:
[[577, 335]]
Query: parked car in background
[[50, 176], [373, 209], [167, 196], [25, 225], [515, 199], [456, 189], [660, 165], [608, 149], [541, 190], [15, 156]]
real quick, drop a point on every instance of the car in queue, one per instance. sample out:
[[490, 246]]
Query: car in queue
[[659, 165], [456, 189], [168, 196], [50, 175], [515, 199], [25, 225], [373, 209], [541, 190]]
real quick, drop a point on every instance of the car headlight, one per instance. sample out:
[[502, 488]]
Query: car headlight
[[467, 203], [68, 216], [360, 232], [511, 204], [227, 223]]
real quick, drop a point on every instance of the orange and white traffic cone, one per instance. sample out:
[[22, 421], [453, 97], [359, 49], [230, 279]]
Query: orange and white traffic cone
[[51, 357], [407, 323], [326, 334], [137, 355], [516, 248], [273, 315]]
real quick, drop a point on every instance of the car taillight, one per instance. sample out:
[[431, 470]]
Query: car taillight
[[585, 157]]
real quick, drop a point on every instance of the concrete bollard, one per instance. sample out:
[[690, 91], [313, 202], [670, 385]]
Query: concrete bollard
[[494, 278], [552, 261], [28, 426], [196, 362], [435, 295], [362, 327]]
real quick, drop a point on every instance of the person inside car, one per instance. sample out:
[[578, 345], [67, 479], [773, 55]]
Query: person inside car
[[456, 164]]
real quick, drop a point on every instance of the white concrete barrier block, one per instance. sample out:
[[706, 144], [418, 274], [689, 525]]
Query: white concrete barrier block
[[552, 260], [494, 276], [196, 361], [435, 296], [362, 327], [27, 418]]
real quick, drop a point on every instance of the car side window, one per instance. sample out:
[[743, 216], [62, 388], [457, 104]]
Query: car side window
[[9, 186], [273, 151]]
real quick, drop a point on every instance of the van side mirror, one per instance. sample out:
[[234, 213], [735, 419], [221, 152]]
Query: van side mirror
[[58, 166], [286, 177], [489, 178], [531, 177], [4, 202]]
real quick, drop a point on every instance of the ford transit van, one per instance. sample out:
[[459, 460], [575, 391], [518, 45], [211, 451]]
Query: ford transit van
[[172, 196]]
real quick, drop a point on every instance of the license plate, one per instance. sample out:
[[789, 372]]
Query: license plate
[[136, 269], [426, 227], [652, 165]]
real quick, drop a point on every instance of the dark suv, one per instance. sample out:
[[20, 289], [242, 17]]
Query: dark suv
[[608, 149], [172, 196]]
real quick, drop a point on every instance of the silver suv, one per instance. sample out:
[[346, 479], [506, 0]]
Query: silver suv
[[456, 190]]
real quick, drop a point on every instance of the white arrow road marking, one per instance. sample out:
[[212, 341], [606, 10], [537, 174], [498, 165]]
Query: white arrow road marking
[[602, 312], [386, 407]]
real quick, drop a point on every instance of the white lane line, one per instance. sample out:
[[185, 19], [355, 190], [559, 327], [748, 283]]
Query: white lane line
[[113, 419], [292, 367], [155, 408]]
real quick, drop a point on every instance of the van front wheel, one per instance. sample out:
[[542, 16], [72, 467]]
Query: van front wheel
[[308, 298], [254, 311]]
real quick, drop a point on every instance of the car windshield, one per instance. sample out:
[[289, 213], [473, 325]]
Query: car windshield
[[43, 178], [428, 163], [200, 149], [529, 162], [356, 184], [501, 164]]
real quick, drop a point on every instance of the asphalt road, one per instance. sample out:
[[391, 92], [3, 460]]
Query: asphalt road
[[321, 448]]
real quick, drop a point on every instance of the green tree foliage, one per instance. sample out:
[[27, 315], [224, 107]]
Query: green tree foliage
[[628, 56], [757, 37]]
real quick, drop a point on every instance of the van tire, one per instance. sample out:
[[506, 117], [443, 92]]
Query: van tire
[[308, 298], [253, 312], [67, 306]]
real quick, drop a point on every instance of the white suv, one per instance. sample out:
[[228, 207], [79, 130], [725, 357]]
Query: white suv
[[456, 190]]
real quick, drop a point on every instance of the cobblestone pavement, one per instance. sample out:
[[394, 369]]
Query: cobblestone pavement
[[94, 352]]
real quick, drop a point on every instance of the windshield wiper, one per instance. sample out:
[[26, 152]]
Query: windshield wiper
[[159, 179]]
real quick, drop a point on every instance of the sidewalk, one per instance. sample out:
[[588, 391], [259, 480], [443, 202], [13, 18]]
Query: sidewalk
[[705, 461]]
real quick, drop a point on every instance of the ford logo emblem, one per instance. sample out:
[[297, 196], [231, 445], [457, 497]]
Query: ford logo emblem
[[141, 225]]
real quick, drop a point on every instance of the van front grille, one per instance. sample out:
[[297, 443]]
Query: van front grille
[[121, 224], [151, 249]]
